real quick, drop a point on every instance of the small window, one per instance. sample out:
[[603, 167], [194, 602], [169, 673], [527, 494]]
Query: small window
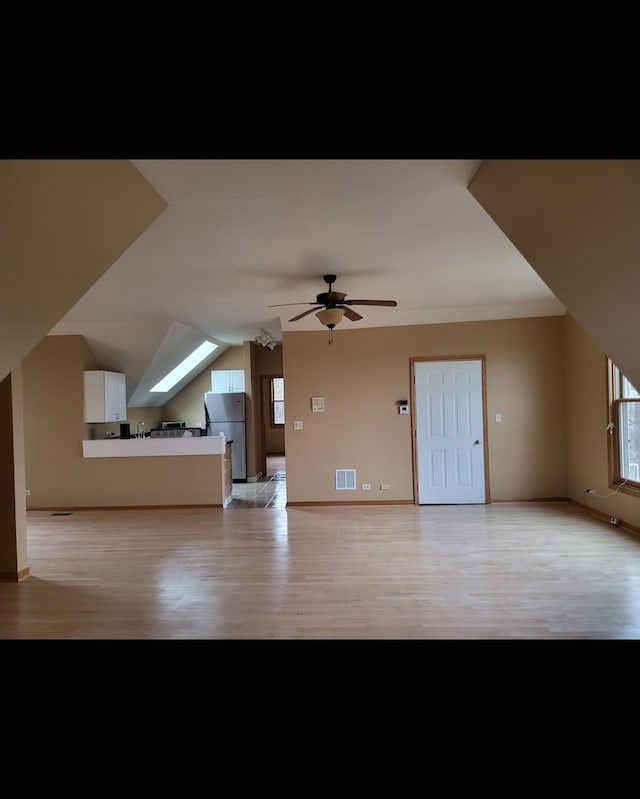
[[624, 432], [277, 401]]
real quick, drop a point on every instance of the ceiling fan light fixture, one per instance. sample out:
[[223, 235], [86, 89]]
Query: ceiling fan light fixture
[[330, 316]]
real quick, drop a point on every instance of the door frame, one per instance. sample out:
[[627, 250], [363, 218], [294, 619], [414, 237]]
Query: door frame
[[265, 417], [485, 426]]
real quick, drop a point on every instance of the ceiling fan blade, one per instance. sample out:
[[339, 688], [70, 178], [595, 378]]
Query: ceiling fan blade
[[389, 303], [282, 304], [304, 313], [334, 299], [351, 314]]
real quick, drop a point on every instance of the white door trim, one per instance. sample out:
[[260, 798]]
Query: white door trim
[[485, 441]]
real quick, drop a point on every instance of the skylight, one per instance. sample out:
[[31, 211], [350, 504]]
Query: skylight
[[182, 369]]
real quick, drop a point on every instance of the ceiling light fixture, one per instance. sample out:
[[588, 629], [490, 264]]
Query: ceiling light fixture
[[330, 317], [265, 339]]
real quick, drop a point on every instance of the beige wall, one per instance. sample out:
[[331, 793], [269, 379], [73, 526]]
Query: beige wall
[[188, 405], [233, 358], [64, 223], [269, 362], [150, 417], [258, 361], [270, 365], [545, 376], [13, 516], [54, 419], [57, 474], [586, 414], [576, 223], [252, 391], [273, 439], [365, 372]]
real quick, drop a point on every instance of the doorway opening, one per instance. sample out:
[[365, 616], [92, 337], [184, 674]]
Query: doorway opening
[[269, 491]]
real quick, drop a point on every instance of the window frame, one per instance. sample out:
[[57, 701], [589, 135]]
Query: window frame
[[615, 400], [273, 402]]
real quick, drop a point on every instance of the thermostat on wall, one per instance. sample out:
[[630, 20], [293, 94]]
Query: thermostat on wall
[[317, 404]]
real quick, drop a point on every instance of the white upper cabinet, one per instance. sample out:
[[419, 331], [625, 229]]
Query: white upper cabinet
[[105, 396], [224, 381]]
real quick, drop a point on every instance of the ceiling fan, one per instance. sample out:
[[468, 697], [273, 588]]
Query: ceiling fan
[[332, 305]]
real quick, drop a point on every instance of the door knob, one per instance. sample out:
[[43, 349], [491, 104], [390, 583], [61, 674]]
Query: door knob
[[477, 441]]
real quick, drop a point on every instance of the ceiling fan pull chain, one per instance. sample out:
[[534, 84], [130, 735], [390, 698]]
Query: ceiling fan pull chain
[[330, 336]]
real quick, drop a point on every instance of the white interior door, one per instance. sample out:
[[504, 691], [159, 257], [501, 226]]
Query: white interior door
[[449, 426]]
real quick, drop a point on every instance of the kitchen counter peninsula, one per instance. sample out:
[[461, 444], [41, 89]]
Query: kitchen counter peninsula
[[190, 471]]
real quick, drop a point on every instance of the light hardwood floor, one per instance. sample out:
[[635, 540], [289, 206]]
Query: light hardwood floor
[[502, 571]]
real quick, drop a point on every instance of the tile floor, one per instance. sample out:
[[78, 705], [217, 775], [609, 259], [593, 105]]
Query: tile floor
[[269, 491]]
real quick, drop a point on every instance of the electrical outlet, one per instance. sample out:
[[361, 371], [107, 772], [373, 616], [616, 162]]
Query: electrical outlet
[[366, 486], [28, 492], [384, 486], [297, 425]]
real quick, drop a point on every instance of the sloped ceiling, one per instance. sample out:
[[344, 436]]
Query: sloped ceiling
[[64, 223], [240, 236], [577, 223]]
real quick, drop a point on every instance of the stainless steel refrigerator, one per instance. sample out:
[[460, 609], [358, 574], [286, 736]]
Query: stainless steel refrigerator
[[225, 413]]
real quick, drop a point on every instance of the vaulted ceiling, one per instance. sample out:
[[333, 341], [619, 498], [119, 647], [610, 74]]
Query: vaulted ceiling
[[240, 236]]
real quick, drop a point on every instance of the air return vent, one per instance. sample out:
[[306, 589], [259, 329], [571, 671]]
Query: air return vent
[[345, 479]]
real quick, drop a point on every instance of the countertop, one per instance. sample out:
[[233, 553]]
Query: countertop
[[147, 447]]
